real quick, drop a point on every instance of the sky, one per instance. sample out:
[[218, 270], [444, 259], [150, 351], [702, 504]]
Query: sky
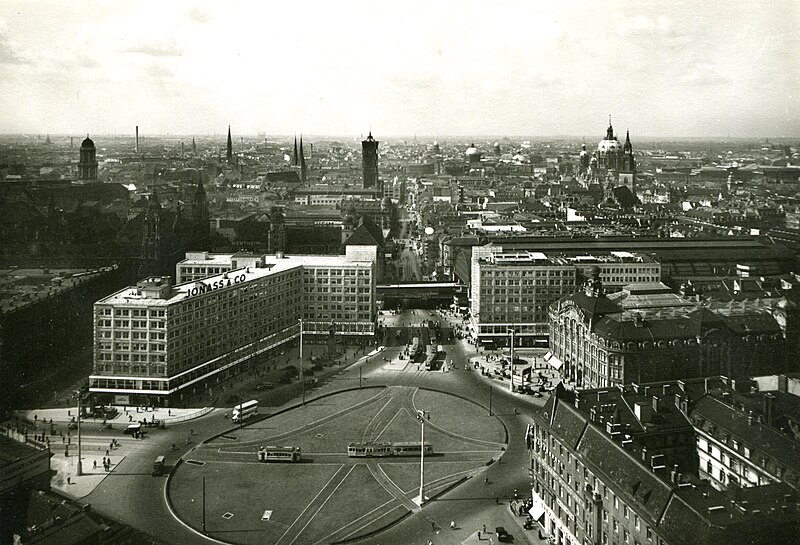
[[400, 68]]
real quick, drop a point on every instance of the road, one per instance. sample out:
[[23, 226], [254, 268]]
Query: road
[[143, 503]]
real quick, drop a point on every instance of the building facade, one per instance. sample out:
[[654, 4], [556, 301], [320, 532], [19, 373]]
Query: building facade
[[600, 475], [157, 342], [513, 289], [646, 333]]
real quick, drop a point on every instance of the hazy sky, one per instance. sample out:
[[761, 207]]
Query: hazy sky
[[667, 68]]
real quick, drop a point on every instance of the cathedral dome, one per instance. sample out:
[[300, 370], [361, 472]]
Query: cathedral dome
[[607, 146], [472, 150], [87, 143]]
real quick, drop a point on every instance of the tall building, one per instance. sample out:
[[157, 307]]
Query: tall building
[[159, 343], [87, 164], [151, 238], [369, 157], [201, 220]]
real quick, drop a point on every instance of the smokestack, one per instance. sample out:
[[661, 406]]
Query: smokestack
[[137, 138], [71, 142]]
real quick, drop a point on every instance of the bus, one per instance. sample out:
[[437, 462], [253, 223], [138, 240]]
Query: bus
[[245, 410], [279, 454], [400, 448]]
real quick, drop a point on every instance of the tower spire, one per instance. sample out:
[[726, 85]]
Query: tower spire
[[229, 155], [295, 158]]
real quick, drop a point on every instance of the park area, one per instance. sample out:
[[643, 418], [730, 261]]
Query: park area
[[328, 496]]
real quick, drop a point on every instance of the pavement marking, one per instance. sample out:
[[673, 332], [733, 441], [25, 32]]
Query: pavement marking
[[399, 411], [341, 466], [352, 522], [323, 505], [367, 427]]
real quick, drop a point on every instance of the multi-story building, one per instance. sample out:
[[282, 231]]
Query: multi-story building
[[646, 333], [617, 466], [157, 342], [513, 289], [338, 289], [744, 435]]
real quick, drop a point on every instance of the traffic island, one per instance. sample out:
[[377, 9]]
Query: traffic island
[[225, 492]]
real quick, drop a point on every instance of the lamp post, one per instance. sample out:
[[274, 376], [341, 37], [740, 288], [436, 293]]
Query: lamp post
[[302, 382], [421, 419], [511, 365], [79, 469]]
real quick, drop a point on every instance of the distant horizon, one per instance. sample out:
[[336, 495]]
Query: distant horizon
[[424, 138], [719, 69]]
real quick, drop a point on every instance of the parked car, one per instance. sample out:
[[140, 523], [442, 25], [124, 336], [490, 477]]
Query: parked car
[[502, 535], [261, 386]]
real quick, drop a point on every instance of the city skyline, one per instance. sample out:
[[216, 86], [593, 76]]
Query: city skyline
[[517, 69]]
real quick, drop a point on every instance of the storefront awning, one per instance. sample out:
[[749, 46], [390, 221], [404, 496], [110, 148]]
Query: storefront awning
[[536, 511], [555, 363]]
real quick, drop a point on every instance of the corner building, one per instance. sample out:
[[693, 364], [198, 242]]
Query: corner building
[[158, 343], [617, 466]]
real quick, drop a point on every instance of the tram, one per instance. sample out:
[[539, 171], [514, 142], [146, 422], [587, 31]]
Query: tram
[[279, 454], [374, 449]]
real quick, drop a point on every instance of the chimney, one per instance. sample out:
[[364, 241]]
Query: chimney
[[673, 475], [655, 403], [279, 254], [137, 138]]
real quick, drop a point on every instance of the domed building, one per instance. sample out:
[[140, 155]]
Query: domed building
[[612, 163], [473, 155], [609, 150], [87, 163]]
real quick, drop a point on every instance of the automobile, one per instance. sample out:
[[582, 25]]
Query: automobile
[[264, 386], [132, 428], [502, 535]]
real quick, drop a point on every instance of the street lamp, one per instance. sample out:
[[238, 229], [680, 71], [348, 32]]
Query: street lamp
[[511, 366], [302, 382], [79, 469], [421, 419]]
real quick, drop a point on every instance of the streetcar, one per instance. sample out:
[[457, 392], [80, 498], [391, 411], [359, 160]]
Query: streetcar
[[374, 449], [279, 454], [245, 410]]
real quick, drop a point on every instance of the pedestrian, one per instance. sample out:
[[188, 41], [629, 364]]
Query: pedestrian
[[484, 528], [479, 535], [433, 526], [452, 525], [107, 454], [69, 481], [94, 464]]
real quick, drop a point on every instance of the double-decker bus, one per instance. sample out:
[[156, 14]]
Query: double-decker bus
[[375, 449], [245, 410], [279, 454]]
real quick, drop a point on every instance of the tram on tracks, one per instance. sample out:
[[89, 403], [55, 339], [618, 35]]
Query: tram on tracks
[[279, 454], [399, 448]]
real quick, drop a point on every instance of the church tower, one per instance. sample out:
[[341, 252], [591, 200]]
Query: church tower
[[229, 154], [369, 156], [201, 227], [627, 171], [151, 238], [277, 230], [87, 163]]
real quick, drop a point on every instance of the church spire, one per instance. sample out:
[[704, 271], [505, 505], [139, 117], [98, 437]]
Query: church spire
[[627, 147], [610, 130], [296, 161], [229, 155]]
